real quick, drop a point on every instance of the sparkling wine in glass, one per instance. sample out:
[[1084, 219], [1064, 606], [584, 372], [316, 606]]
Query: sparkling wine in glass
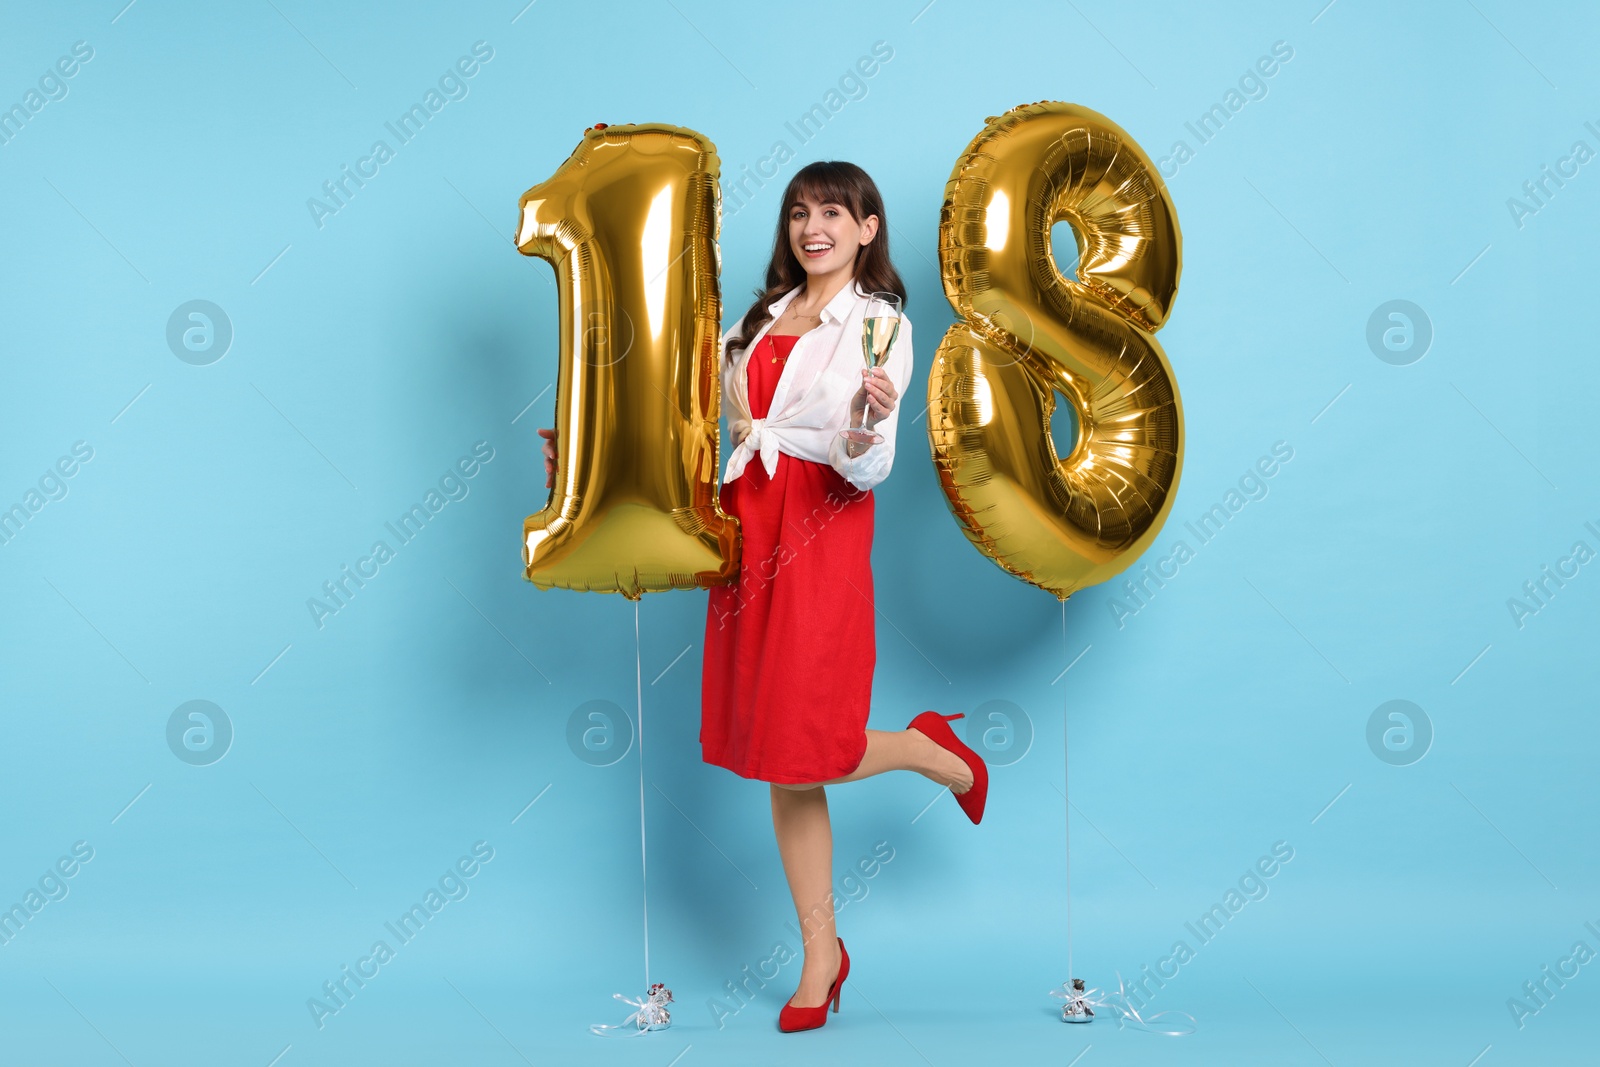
[[879, 327]]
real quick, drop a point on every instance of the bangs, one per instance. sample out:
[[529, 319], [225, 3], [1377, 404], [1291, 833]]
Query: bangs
[[825, 183]]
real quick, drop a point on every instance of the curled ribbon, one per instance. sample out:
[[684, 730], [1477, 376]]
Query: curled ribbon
[[649, 1013], [1083, 1002]]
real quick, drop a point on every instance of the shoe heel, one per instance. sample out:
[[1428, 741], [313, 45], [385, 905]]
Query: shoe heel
[[836, 994], [952, 718]]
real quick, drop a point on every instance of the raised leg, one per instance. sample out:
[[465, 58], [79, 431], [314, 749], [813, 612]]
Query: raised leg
[[910, 750]]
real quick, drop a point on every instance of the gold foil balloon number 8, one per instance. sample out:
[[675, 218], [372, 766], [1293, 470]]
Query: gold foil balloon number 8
[[1031, 336]]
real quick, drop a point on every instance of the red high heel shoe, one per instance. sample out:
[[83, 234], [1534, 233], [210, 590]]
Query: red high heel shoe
[[937, 727], [792, 1018]]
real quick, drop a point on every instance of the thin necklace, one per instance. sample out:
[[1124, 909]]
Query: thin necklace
[[786, 312]]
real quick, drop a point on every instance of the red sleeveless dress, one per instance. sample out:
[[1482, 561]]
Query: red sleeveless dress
[[786, 679]]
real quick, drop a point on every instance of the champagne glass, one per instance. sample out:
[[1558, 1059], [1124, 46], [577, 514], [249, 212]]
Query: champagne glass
[[879, 327]]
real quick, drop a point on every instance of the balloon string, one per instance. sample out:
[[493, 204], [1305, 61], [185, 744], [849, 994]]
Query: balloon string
[[638, 681], [1066, 793]]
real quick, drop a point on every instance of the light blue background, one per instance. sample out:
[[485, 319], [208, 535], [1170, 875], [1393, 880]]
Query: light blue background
[[373, 352]]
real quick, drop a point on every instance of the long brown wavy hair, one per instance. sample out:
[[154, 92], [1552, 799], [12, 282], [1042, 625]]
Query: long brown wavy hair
[[826, 181]]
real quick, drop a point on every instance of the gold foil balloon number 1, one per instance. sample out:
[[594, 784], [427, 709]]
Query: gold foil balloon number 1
[[630, 223], [1031, 336]]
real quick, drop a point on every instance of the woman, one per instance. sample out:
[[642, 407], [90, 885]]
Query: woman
[[790, 646]]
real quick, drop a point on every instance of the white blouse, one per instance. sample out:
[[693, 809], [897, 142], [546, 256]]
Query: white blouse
[[811, 403]]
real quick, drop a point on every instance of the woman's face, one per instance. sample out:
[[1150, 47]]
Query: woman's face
[[825, 238]]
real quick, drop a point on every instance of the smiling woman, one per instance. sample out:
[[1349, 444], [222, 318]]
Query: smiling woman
[[790, 645], [790, 649]]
